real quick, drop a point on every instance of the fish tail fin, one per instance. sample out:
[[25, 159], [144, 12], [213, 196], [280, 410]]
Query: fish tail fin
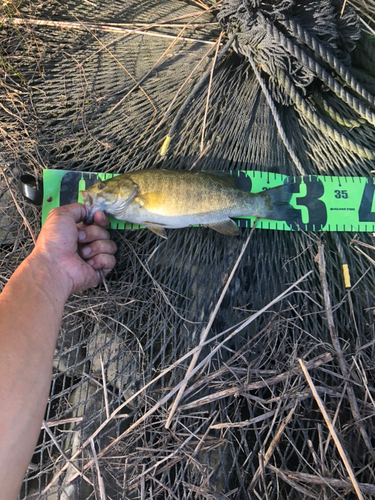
[[277, 203]]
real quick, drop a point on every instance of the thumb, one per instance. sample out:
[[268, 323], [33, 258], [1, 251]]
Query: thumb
[[76, 211]]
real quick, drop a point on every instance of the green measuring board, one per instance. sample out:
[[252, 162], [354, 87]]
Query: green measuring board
[[321, 203]]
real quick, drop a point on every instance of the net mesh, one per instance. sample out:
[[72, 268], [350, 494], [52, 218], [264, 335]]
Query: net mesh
[[248, 425]]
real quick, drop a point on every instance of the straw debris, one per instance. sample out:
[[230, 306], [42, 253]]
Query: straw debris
[[209, 367]]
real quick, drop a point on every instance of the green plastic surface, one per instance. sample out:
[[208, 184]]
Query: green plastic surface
[[323, 203]]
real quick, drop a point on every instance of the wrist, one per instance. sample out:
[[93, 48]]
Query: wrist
[[49, 277]]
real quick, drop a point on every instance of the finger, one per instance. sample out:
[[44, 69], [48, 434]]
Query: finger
[[105, 271], [102, 261], [88, 234], [97, 247], [101, 218], [76, 211], [99, 275]]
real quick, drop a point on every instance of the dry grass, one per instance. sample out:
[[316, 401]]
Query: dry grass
[[269, 357]]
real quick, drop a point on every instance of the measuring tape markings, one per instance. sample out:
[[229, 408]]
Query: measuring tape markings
[[321, 203]]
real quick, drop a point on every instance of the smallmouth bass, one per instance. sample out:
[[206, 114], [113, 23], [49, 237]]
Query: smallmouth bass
[[160, 199]]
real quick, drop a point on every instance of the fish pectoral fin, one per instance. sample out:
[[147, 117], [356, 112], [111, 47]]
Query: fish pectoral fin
[[226, 226], [156, 228], [152, 201], [139, 200]]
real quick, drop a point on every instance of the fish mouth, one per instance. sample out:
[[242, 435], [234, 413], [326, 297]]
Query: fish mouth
[[90, 212], [90, 207], [93, 203], [87, 198]]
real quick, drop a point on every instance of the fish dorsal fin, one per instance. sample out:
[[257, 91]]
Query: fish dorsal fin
[[151, 201], [226, 226], [224, 177], [156, 228]]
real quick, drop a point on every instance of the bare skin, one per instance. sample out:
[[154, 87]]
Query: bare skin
[[31, 309]]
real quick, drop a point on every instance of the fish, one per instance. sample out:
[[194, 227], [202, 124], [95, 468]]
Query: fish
[[162, 199]]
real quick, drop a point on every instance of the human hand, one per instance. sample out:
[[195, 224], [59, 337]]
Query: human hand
[[73, 252]]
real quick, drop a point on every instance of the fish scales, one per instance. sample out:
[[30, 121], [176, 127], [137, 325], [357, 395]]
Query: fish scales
[[161, 199], [189, 194]]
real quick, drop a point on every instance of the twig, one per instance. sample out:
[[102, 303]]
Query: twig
[[96, 382], [104, 280], [343, 8], [367, 26], [192, 96], [200, 156], [145, 26], [336, 416], [173, 391], [209, 90], [331, 429], [359, 250], [201, 439], [272, 446], [275, 115], [143, 485], [104, 388], [368, 489], [362, 372], [101, 27], [119, 63], [252, 421], [161, 461], [116, 412], [341, 377], [128, 330], [321, 451], [201, 4], [100, 479], [61, 451], [361, 243], [336, 345], [208, 327], [176, 39], [178, 93], [164, 487], [54, 423], [138, 83], [293, 484], [158, 286], [232, 391], [105, 47], [185, 380]]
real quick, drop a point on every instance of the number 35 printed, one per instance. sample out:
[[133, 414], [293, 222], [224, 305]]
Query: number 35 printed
[[341, 193]]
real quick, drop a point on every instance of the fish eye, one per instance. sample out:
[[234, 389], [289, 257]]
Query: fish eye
[[101, 185]]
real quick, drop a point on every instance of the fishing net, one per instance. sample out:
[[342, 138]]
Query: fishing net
[[286, 343]]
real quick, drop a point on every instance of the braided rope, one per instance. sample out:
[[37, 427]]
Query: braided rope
[[319, 123], [276, 116], [334, 114], [321, 73], [293, 56], [298, 31]]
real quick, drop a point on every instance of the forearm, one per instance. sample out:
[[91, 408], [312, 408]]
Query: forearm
[[31, 307]]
